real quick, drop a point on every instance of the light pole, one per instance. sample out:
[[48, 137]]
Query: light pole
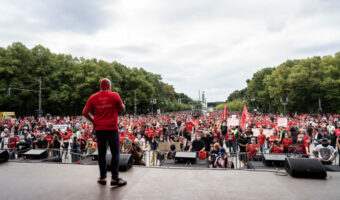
[[152, 101], [284, 103]]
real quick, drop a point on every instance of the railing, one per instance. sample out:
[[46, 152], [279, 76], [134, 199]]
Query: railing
[[156, 159]]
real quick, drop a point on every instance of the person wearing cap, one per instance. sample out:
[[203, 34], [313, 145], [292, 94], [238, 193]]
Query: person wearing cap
[[105, 106], [325, 152], [276, 147]]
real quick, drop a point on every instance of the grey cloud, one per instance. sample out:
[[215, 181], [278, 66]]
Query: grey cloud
[[74, 16]]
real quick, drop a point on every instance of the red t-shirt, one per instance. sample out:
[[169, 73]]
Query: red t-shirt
[[276, 150], [105, 105], [286, 142], [251, 150], [261, 138], [189, 126], [49, 138], [337, 132], [273, 137], [12, 142]]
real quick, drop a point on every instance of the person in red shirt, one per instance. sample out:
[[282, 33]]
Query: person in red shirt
[[307, 141], [252, 150], [261, 139], [276, 148], [105, 106], [337, 132], [286, 141], [273, 137], [189, 126]]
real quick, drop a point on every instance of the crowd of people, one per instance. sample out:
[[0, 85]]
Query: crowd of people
[[208, 134]]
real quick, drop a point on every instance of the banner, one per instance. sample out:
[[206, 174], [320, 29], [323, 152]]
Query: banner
[[245, 117], [225, 112], [62, 127], [266, 132], [233, 122], [282, 122]]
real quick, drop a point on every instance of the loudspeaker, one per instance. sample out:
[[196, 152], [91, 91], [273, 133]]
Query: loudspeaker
[[4, 156], [305, 168], [36, 154], [125, 162], [185, 157], [274, 160]]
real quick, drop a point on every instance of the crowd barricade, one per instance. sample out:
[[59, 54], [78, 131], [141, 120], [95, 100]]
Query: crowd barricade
[[157, 158]]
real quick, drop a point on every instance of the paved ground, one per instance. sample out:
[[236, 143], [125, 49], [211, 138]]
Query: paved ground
[[65, 181]]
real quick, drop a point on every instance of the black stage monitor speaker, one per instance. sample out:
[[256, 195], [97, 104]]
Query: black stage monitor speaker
[[305, 168], [185, 157], [274, 160], [4, 156], [125, 162], [36, 154]]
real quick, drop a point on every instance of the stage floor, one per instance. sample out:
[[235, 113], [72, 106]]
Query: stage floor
[[71, 181]]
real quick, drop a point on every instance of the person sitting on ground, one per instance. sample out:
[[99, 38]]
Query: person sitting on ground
[[214, 154], [172, 153], [197, 145], [222, 161], [252, 150], [137, 153], [126, 144], [276, 148], [325, 152], [91, 146]]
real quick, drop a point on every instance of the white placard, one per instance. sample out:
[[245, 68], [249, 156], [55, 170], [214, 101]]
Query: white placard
[[62, 127], [233, 122], [266, 132], [282, 122]]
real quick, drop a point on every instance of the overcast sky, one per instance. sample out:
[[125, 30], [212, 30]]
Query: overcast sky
[[211, 45]]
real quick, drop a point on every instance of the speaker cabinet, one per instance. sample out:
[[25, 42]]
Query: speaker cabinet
[[4, 156], [305, 168]]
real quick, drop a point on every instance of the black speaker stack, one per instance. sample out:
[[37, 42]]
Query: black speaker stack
[[4, 156], [305, 168]]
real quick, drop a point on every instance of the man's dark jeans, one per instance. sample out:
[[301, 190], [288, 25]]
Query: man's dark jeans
[[103, 138]]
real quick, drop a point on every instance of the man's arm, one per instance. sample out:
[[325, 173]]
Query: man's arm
[[86, 114], [121, 108], [335, 154]]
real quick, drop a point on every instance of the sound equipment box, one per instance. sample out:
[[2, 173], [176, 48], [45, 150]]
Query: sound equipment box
[[185, 157], [274, 160], [4, 156], [305, 168], [36, 154], [125, 162]]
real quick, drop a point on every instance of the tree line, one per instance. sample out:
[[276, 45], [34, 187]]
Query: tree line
[[68, 81], [302, 82]]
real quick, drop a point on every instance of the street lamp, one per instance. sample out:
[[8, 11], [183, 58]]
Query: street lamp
[[152, 101], [284, 103]]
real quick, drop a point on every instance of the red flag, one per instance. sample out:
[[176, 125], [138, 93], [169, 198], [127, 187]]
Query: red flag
[[245, 117], [225, 112]]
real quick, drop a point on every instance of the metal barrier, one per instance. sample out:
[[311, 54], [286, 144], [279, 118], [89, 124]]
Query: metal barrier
[[157, 158]]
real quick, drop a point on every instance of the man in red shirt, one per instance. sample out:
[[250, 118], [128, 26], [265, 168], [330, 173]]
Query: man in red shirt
[[261, 139], [286, 141], [276, 148], [105, 106]]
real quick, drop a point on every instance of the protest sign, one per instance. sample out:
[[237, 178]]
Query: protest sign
[[282, 122], [233, 122]]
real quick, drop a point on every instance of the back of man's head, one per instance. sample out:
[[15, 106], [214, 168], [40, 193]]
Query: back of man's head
[[105, 84]]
